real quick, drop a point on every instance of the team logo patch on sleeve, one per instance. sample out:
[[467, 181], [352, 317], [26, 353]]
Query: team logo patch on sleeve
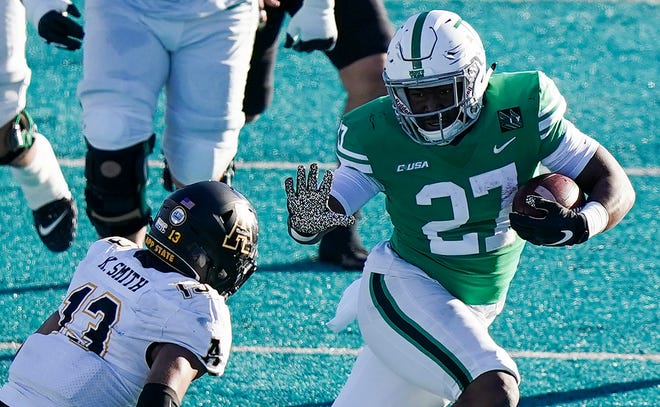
[[510, 119]]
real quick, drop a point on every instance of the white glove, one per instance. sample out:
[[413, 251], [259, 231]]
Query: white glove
[[35, 9], [313, 27], [53, 21], [307, 203]]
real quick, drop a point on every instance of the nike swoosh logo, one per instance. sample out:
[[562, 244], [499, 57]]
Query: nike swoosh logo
[[567, 236], [498, 149], [45, 230]]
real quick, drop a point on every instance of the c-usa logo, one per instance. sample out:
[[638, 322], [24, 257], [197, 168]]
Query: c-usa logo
[[412, 166]]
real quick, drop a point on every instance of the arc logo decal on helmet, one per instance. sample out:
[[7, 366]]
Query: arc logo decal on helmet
[[240, 236], [452, 53]]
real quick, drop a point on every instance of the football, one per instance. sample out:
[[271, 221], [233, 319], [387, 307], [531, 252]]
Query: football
[[552, 186]]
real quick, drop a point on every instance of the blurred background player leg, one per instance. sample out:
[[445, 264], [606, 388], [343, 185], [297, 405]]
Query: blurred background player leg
[[364, 33], [260, 80], [199, 58], [359, 56], [29, 154], [46, 191]]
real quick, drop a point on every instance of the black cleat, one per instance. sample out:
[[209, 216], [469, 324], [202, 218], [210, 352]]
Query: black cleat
[[56, 224], [342, 247]]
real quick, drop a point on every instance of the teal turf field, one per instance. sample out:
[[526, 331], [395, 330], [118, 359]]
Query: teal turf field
[[583, 323]]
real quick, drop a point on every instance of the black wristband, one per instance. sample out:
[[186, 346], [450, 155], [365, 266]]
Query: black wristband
[[157, 395]]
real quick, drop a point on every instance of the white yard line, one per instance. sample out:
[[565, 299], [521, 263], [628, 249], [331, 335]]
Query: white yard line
[[652, 357], [284, 165]]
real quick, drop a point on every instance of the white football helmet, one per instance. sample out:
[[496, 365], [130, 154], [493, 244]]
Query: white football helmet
[[432, 49]]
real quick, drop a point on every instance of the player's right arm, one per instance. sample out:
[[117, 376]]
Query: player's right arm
[[50, 325], [597, 172], [312, 210], [173, 368], [178, 357]]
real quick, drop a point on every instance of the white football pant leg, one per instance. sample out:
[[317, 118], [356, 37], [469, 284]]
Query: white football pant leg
[[372, 384], [422, 332], [205, 94], [124, 69], [14, 71]]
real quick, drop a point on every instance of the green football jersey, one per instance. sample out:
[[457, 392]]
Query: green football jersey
[[449, 205]]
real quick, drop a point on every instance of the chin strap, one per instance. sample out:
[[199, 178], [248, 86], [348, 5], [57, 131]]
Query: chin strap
[[490, 71]]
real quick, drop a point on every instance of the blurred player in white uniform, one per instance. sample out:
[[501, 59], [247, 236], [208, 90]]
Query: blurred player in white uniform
[[27, 152], [139, 325], [198, 53], [448, 147]]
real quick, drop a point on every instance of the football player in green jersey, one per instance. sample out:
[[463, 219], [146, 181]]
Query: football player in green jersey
[[449, 147]]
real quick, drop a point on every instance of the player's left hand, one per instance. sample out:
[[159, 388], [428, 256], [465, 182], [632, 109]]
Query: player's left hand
[[309, 215], [313, 27], [53, 20], [561, 226]]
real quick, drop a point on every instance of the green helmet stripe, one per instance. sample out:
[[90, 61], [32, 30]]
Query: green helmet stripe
[[415, 47]]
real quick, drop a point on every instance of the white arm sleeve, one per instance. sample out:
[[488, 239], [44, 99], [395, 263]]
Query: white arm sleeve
[[353, 188], [573, 154]]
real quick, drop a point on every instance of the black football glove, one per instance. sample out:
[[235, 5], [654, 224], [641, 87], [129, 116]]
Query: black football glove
[[53, 20], [313, 27], [307, 203], [561, 226]]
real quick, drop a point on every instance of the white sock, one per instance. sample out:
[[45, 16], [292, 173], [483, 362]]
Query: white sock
[[41, 180]]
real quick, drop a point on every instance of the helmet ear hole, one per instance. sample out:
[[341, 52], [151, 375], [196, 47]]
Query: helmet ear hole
[[201, 260]]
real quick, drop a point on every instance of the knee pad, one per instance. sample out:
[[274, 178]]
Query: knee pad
[[19, 137], [116, 188]]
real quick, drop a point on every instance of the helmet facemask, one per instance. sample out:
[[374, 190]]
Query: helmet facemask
[[233, 262], [431, 51], [228, 283]]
